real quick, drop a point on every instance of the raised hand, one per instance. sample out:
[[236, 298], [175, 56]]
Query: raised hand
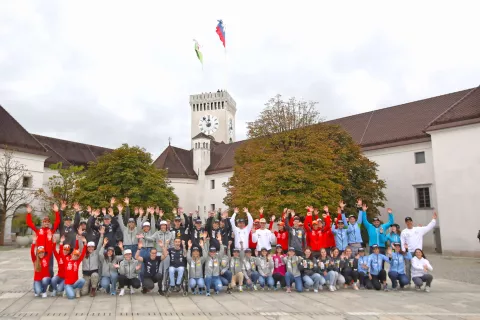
[[138, 267], [235, 210], [341, 204], [62, 239], [140, 244], [76, 206], [112, 201], [381, 229], [200, 242], [119, 207], [29, 209], [105, 241], [101, 230], [141, 212], [63, 204], [126, 201], [174, 211], [272, 218], [261, 210], [189, 244], [325, 209], [245, 210], [55, 207], [359, 202], [435, 215], [110, 211], [104, 211], [34, 237], [364, 207], [120, 245], [160, 243], [389, 211], [135, 211], [89, 210]]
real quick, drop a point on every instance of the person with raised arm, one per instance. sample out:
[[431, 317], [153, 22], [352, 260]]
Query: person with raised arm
[[91, 266], [109, 274], [377, 275], [195, 268], [420, 268], [177, 255], [130, 231], [377, 231], [397, 265], [293, 274], [263, 237], [350, 268], [41, 266], [111, 226], [281, 234], [413, 238], [66, 228], [128, 270], [178, 230], [354, 233], [62, 256], [241, 231], [297, 239], [72, 283], [212, 267], [341, 234], [153, 271]]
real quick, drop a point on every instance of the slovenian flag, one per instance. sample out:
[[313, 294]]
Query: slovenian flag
[[221, 31]]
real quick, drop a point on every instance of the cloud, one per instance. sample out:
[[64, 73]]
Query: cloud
[[110, 72]]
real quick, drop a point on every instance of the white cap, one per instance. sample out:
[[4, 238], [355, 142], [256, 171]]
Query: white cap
[[163, 222], [91, 244], [146, 223], [127, 251]]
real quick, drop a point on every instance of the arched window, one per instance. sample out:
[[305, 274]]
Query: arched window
[[223, 107], [197, 106], [204, 144], [193, 108], [207, 145], [208, 106]]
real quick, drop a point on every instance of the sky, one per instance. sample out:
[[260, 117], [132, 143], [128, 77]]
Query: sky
[[113, 72]]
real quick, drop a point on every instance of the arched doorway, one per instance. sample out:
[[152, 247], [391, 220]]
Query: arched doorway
[[18, 226]]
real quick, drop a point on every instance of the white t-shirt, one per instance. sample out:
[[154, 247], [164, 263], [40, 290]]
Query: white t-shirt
[[241, 234], [263, 238], [414, 237]]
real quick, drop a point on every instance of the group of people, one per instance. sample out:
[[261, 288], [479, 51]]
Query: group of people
[[118, 251]]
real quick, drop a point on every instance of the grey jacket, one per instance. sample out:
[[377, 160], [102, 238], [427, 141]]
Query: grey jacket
[[129, 268], [108, 266], [236, 265], [148, 240], [265, 268], [249, 265], [129, 236], [296, 237], [91, 264], [195, 267], [212, 265], [292, 264], [164, 236]]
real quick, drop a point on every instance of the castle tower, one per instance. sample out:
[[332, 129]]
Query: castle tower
[[213, 114]]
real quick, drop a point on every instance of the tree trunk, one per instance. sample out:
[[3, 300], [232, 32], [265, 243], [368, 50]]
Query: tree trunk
[[2, 228]]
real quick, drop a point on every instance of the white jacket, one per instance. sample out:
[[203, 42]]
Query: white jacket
[[241, 234], [414, 237], [263, 238], [417, 267]]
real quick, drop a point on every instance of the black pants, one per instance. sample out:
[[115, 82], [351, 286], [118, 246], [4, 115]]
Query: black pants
[[382, 251], [350, 275], [124, 281], [378, 280], [149, 281], [278, 277], [365, 281]]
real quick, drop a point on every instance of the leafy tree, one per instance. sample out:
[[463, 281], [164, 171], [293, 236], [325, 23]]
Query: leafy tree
[[283, 115], [60, 187], [12, 190], [312, 165], [126, 172]]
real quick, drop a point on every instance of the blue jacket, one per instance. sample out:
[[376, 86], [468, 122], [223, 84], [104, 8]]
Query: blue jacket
[[353, 230], [361, 261], [341, 237], [393, 237], [397, 262], [374, 235], [375, 263]]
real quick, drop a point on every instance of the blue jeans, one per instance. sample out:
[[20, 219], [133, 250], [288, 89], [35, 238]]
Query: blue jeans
[[254, 277], [109, 283], [215, 282], [289, 279], [315, 280], [132, 247], [171, 272], [226, 278], [330, 277], [395, 276], [268, 280], [70, 288], [194, 282], [58, 284], [41, 286], [144, 253]]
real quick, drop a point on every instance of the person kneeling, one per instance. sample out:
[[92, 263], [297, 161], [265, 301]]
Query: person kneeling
[[128, 270], [153, 271]]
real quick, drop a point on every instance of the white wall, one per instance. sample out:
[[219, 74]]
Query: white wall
[[215, 196], [186, 191], [397, 167], [456, 156], [34, 165]]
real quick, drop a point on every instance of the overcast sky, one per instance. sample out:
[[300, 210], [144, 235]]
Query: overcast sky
[[109, 72]]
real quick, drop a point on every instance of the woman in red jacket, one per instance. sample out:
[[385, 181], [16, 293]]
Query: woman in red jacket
[[281, 234], [62, 256], [72, 283], [320, 233], [41, 267]]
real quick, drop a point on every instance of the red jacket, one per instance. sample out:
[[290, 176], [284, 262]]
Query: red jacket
[[45, 264], [62, 259], [282, 236], [42, 233], [319, 238], [71, 268]]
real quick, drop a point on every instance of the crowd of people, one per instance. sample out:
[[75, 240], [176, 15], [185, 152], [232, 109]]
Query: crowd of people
[[119, 251]]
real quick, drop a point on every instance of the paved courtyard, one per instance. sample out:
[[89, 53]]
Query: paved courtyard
[[449, 299]]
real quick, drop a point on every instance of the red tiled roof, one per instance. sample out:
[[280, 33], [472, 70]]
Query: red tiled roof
[[178, 162]]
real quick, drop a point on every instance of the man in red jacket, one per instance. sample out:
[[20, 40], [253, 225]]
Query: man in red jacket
[[319, 232], [281, 234], [45, 232]]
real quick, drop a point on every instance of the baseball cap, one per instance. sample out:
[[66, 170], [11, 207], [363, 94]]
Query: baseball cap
[[376, 219], [83, 222], [248, 250], [146, 223], [106, 217], [163, 222], [213, 249], [278, 246], [291, 249], [40, 249], [178, 218], [375, 246], [397, 244], [236, 250], [296, 218], [240, 220], [75, 252], [66, 247], [198, 221], [361, 249], [408, 219], [281, 223], [110, 249], [127, 251], [352, 216], [340, 221], [91, 244], [195, 249], [216, 221], [263, 220], [264, 249], [68, 218], [131, 220]]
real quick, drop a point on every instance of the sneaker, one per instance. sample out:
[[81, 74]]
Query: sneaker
[[337, 287], [44, 295], [315, 290], [354, 286], [77, 293], [385, 287], [255, 287], [113, 293], [427, 289], [331, 288], [132, 291], [240, 289], [177, 288], [307, 289], [144, 290], [320, 288], [122, 292], [289, 290], [54, 293], [64, 293], [208, 294], [216, 292], [362, 287], [36, 294], [418, 288]]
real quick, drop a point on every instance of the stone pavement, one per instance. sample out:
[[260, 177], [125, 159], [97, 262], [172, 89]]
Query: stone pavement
[[449, 299]]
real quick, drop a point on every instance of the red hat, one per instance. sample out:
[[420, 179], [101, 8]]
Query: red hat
[[281, 223], [256, 221], [47, 218], [315, 222], [66, 247], [75, 252]]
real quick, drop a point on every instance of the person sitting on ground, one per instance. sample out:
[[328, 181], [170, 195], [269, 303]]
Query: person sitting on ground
[[153, 270], [397, 266], [420, 268], [128, 271]]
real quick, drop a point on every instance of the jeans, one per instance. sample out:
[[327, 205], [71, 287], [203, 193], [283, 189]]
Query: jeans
[[339, 279], [58, 284], [226, 278], [315, 280], [70, 288], [194, 282], [330, 277], [109, 283], [215, 281], [144, 253], [418, 281], [179, 271], [41, 286], [395, 276], [408, 269], [132, 247], [289, 278], [268, 279]]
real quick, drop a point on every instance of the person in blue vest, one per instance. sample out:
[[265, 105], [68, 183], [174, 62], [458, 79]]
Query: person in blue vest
[[341, 237], [377, 275], [353, 227], [377, 231], [397, 266]]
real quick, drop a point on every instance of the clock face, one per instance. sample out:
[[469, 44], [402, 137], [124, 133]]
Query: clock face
[[208, 124]]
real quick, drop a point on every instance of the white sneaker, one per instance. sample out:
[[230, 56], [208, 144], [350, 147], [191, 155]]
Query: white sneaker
[[77, 293], [315, 290], [240, 288], [36, 294], [337, 287], [331, 288], [53, 294], [44, 295], [255, 287], [132, 291], [427, 289], [354, 286], [122, 292]]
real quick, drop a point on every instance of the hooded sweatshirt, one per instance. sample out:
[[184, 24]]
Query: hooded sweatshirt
[[292, 265], [44, 263], [195, 266], [129, 235], [417, 267], [91, 263], [164, 236], [108, 265], [71, 269], [308, 266], [265, 268], [212, 264], [282, 236], [148, 239], [42, 233], [279, 266], [128, 268]]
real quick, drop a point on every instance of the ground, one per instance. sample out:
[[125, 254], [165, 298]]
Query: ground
[[455, 295]]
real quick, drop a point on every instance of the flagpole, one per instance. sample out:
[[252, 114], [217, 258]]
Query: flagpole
[[226, 70]]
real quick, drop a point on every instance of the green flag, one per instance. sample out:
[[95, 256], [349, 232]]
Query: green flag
[[198, 52]]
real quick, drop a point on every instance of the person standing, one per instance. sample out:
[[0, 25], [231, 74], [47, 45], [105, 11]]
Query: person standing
[[240, 231], [376, 230], [413, 237], [67, 229], [353, 227], [263, 236], [130, 231], [297, 239]]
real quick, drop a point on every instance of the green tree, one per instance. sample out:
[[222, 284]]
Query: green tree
[[126, 172], [61, 187]]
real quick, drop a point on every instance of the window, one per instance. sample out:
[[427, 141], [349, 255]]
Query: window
[[420, 157], [193, 108], [222, 105], [423, 197], [212, 207], [27, 182], [204, 144], [212, 184]]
